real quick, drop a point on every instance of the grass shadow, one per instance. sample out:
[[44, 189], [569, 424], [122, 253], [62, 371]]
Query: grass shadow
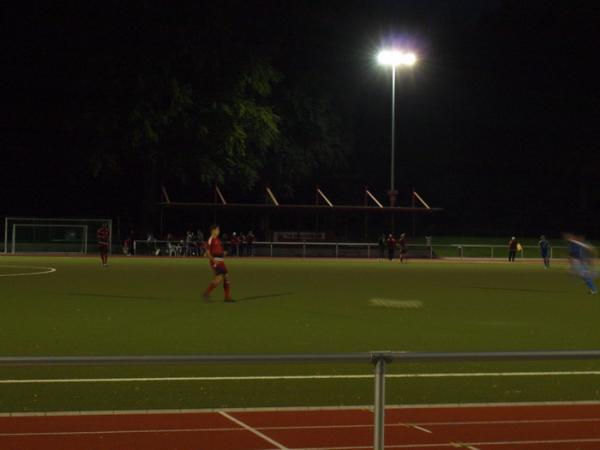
[[543, 291], [263, 297], [89, 294]]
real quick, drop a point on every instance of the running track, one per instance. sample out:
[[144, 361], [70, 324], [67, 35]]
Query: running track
[[520, 427]]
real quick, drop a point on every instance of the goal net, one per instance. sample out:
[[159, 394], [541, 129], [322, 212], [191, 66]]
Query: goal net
[[52, 235]]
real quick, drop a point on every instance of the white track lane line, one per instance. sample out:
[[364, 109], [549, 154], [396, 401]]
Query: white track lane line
[[254, 431], [511, 422], [419, 427], [298, 377], [472, 445], [295, 408], [87, 433]]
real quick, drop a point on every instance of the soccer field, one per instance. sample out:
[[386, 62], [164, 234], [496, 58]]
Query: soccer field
[[144, 306]]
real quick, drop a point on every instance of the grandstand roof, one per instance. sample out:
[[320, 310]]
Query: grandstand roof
[[292, 207]]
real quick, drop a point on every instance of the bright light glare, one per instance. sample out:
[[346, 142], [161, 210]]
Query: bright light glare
[[396, 58]]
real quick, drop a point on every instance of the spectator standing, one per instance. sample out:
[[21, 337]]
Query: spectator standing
[[381, 244], [171, 246], [234, 244], [242, 239], [131, 238], [250, 238], [151, 244], [127, 246], [189, 240], [200, 243], [225, 240], [545, 250], [403, 248], [512, 249], [391, 246]]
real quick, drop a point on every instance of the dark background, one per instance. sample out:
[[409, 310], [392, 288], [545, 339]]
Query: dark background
[[103, 102]]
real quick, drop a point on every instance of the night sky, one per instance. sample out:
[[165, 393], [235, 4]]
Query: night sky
[[498, 123]]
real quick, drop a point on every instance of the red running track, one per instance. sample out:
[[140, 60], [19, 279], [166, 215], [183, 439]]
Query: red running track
[[520, 427]]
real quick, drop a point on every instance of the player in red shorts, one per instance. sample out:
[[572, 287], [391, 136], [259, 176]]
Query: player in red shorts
[[215, 253], [103, 235]]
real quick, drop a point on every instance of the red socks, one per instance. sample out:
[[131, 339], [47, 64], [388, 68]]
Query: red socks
[[210, 288], [226, 288]]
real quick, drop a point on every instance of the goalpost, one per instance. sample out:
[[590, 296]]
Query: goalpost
[[52, 235]]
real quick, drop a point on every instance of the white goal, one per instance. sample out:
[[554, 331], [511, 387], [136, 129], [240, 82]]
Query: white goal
[[52, 235]]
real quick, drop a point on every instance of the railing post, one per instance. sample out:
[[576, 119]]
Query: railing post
[[368, 251], [304, 249], [337, 252], [492, 252], [379, 407], [271, 247]]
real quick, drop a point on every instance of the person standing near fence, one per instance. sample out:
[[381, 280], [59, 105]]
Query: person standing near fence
[[242, 244], [381, 243], [250, 238], [391, 246], [234, 244], [403, 247], [581, 255], [545, 250], [512, 249], [103, 236]]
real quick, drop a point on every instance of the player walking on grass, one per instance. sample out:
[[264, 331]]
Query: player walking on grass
[[581, 256], [545, 250], [103, 236], [216, 254]]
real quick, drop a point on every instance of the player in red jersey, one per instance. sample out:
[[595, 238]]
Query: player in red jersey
[[215, 253], [103, 235]]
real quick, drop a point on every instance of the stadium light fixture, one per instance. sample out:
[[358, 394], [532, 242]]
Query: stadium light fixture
[[395, 58]]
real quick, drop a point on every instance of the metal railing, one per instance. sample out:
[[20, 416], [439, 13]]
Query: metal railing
[[343, 250], [379, 358]]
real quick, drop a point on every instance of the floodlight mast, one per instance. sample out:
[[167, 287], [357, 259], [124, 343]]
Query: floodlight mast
[[394, 58]]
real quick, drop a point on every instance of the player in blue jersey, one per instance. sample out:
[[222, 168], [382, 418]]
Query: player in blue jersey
[[545, 250], [581, 256]]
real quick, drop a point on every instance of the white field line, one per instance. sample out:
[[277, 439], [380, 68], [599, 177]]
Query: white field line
[[45, 270], [367, 408], [298, 377], [396, 303], [410, 425], [253, 430]]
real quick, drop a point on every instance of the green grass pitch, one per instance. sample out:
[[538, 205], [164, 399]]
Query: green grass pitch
[[144, 306]]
